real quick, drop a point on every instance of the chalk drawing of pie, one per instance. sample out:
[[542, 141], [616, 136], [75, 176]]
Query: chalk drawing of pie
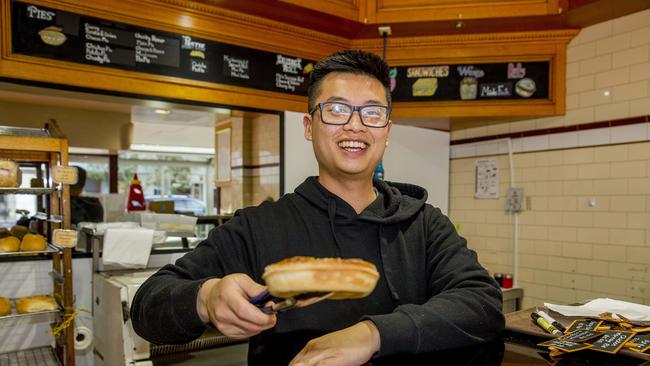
[[307, 69], [197, 54], [53, 35]]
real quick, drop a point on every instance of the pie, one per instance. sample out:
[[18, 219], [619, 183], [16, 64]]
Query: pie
[[347, 278]]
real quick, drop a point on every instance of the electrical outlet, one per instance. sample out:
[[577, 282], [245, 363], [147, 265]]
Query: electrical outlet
[[514, 199]]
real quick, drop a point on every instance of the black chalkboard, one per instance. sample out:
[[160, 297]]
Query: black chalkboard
[[471, 82], [642, 342], [611, 341], [581, 335], [55, 34], [583, 324], [566, 346]]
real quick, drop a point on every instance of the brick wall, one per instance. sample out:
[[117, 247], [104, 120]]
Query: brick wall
[[568, 250], [613, 56]]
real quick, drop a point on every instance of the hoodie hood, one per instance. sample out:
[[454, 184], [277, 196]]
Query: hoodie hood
[[395, 203]]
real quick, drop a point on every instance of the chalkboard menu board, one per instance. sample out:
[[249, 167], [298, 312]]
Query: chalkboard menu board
[[469, 82], [55, 34]]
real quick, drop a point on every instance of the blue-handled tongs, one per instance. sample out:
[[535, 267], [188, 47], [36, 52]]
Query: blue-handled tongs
[[281, 304]]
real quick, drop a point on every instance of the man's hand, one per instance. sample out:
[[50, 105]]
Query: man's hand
[[225, 303], [351, 346]]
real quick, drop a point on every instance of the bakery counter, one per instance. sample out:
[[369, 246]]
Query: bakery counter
[[504, 350]]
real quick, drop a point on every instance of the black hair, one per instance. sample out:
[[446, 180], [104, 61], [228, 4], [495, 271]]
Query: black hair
[[81, 178], [348, 61]]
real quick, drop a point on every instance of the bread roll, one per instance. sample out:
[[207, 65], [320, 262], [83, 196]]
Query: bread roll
[[10, 176], [33, 242], [5, 306], [9, 244], [4, 232], [33, 304], [19, 231], [347, 278]]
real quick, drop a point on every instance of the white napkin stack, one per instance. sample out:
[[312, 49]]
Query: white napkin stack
[[127, 247]]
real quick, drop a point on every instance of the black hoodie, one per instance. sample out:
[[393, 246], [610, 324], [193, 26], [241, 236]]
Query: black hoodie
[[432, 293]]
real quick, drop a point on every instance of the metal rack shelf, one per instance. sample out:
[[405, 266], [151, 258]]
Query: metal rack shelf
[[15, 315], [51, 248], [42, 356], [33, 191], [44, 149]]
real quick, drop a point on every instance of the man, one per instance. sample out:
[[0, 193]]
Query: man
[[432, 294], [83, 208]]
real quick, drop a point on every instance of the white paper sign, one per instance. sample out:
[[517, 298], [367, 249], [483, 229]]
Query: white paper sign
[[487, 178]]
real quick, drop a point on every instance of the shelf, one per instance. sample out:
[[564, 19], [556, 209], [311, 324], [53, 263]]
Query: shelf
[[29, 315], [51, 248], [15, 315], [25, 131], [33, 191], [42, 356], [53, 218]]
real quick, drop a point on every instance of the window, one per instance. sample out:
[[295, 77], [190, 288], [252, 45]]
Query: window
[[174, 177]]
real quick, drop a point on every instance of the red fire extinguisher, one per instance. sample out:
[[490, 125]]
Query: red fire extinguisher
[[136, 196]]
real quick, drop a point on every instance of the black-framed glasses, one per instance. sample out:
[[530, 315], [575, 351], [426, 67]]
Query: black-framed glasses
[[337, 113]]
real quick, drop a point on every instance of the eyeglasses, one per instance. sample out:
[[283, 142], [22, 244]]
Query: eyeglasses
[[337, 113]]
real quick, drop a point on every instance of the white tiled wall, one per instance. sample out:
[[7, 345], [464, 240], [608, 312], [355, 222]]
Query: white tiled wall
[[613, 56], [570, 251], [565, 140]]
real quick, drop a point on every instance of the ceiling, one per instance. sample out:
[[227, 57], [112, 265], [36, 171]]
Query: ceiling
[[578, 14]]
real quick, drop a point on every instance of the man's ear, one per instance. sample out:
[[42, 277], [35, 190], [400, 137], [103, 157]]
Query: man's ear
[[307, 122]]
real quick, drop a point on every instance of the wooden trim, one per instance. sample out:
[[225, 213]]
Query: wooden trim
[[476, 10], [343, 9], [113, 80], [208, 22], [27, 143], [555, 130], [222, 25], [486, 48], [268, 165]]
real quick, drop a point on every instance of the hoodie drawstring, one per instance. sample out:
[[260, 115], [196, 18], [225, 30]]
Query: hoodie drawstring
[[331, 212]]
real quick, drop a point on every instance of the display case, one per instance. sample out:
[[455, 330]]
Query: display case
[[45, 149]]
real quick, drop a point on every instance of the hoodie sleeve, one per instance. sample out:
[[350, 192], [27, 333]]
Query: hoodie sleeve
[[465, 304], [164, 307]]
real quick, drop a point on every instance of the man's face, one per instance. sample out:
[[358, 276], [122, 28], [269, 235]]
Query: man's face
[[351, 150]]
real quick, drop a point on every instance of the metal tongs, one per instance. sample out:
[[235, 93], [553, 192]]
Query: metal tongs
[[279, 304]]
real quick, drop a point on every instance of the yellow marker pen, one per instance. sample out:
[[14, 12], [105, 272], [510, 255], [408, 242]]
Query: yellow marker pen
[[544, 324]]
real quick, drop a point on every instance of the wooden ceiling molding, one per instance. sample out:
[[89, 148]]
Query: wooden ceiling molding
[[397, 11], [425, 32]]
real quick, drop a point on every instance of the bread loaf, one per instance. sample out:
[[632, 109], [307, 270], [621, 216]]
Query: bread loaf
[[10, 176], [19, 231], [9, 244], [5, 306], [33, 242], [346, 278], [33, 304]]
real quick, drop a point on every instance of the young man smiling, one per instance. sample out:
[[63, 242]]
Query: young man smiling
[[432, 294]]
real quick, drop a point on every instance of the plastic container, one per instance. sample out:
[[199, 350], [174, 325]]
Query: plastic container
[[507, 281]]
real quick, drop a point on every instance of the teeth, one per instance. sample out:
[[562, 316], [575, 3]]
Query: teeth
[[353, 144]]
